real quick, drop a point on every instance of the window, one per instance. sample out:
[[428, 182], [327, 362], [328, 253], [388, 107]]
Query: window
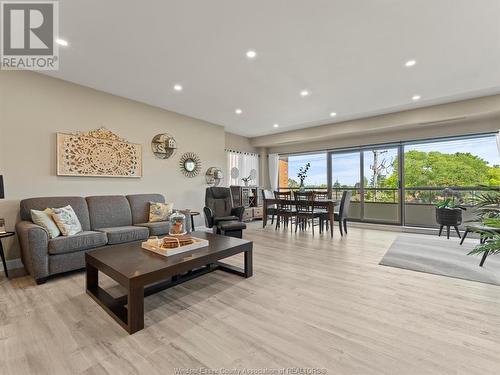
[[289, 167], [460, 163], [242, 165], [374, 174], [467, 165]]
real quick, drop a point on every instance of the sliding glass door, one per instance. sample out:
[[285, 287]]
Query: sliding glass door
[[373, 177], [468, 165], [346, 175], [381, 195]]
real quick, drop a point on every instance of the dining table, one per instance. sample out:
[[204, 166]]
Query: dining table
[[328, 204]]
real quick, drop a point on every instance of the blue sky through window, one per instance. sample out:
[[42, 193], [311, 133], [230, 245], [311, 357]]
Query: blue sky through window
[[317, 173]]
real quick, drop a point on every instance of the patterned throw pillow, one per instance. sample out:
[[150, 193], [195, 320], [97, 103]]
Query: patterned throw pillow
[[66, 220], [160, 211], [44, 219]]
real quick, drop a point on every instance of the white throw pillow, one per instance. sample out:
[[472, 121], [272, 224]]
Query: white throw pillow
[[67, 221], [44, 219]]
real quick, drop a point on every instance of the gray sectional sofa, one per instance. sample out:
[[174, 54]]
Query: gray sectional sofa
[[105, 220]]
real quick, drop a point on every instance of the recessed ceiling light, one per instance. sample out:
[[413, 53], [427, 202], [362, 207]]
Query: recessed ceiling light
[[238, 111], [416, 97], [177, 87], [333, 114], [410, 63], [304, 93], [251, 54], [62, 42], [276, 126]]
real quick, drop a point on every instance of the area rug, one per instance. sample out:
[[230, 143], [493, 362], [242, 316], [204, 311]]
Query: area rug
[[439, 256]]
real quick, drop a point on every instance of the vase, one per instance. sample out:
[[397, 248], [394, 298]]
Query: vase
[[246, 183], [302, 189], [177, 224]]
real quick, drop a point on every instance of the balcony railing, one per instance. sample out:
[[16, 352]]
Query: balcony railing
[[382, 204]]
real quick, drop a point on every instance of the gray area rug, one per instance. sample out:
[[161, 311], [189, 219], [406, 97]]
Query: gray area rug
[[439, 256]]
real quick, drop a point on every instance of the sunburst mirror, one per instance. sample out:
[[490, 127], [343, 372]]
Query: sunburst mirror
[[190, 164]]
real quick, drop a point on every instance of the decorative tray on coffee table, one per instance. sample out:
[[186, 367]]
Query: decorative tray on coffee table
[[171, 245]]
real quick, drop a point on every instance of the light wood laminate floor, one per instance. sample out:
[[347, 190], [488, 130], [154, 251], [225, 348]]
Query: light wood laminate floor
[[313, 303]]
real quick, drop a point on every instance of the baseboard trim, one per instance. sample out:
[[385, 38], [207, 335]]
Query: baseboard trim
[[405, 229], [12, 264]]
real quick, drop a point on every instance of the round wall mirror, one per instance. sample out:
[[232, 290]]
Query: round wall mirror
[[190, 164]]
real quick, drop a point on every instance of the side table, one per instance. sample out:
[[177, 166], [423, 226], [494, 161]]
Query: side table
[[2, 236], [193, 214]]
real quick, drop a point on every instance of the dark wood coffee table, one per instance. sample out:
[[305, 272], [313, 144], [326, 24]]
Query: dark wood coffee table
[[143, 273]]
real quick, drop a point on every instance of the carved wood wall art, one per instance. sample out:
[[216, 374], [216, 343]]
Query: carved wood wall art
[[97, 153]]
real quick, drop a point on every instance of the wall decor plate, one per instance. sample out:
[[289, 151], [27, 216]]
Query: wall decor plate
[[163, 146], [97, 153], [214, 175], [190, 164]]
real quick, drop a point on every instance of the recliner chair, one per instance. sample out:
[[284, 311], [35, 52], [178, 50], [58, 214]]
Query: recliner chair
[[220, 213]]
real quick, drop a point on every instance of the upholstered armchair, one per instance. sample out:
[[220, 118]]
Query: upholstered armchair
[[220, 213]]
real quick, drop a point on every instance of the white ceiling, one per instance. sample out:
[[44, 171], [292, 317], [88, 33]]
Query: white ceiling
[[350, 54]]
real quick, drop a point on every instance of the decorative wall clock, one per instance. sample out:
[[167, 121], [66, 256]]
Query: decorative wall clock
[[97, 153], [190, 164]]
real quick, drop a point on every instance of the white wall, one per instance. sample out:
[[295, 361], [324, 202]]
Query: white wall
[[34, 107], [237, 142]]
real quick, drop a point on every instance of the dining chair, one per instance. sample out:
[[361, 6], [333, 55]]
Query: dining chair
[[304, 214], [285, 210], [341, 216], [321, 211], [271, 208], [320, 194], [315, 212], [303, 195]]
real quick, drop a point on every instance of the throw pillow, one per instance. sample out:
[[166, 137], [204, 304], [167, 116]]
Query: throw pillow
[[160, 211], [44, 219], [67, 221]]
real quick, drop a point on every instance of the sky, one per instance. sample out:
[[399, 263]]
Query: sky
[[346, 165]]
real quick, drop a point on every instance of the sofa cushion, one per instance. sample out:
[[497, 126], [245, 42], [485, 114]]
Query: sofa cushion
[[157, 228], [139, 205], [78, 242], [109, 211], [160, 211], [78, 204], [67, 221], [45, 220], [125, 234]]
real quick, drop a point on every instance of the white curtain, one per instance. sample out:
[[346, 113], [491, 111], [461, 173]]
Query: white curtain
[[245, 163], [273, 171]]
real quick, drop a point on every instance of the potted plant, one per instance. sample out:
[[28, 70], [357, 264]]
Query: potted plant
[[302, 175], [487, 207], [448, 212]]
